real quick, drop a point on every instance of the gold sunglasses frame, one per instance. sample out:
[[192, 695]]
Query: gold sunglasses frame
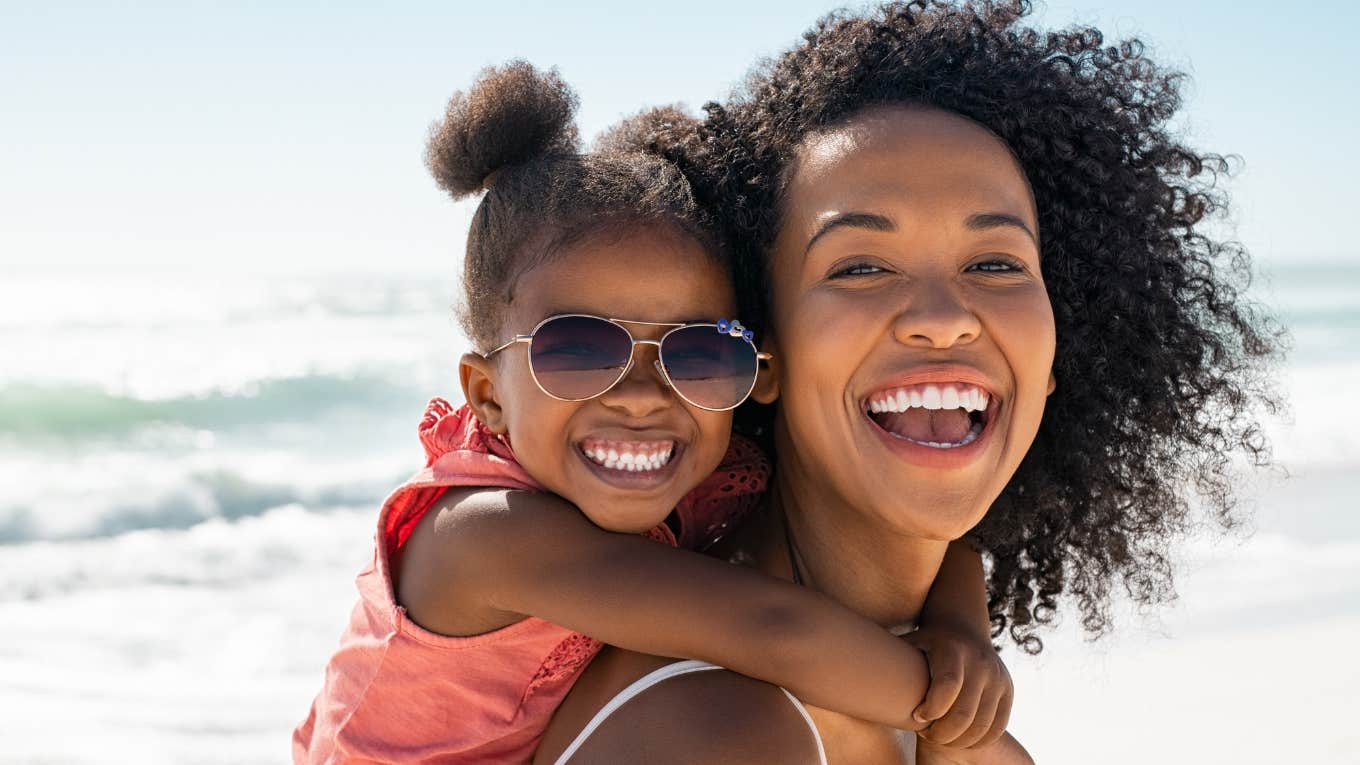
[[632, 356]]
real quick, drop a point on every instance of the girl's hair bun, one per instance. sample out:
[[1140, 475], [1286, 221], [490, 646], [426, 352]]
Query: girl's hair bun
[[511, 114], [652, 130]]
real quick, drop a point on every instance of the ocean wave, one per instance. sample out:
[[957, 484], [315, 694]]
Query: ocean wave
[[213, 554], [65, 411], [193, 499]]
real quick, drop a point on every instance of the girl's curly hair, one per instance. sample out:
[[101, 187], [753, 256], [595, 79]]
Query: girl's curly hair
[[1162, 363], [513, 135]]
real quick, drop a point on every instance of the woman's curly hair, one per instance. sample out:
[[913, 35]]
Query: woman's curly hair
[[1161, 361]]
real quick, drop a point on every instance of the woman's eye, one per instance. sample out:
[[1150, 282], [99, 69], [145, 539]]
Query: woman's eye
[[858, 269], [997, 267]]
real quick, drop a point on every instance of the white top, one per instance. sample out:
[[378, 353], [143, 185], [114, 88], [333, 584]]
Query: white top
[[665, 673]]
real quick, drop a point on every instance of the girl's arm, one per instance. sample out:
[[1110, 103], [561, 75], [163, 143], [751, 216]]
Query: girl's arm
[[970, 696], [493, 556], [958, 598]]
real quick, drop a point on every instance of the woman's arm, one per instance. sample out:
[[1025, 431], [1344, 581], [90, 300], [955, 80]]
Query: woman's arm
[[513, 554]]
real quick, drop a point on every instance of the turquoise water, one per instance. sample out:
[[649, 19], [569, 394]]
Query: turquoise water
[[1320, 304]]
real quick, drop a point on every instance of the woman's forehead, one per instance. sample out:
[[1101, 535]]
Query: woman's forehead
[[906, 158]]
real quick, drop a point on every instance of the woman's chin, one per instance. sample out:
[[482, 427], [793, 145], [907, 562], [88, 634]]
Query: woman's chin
[[936, 513]]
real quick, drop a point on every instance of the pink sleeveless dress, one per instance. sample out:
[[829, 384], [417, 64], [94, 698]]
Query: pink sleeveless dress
[[395, 692]]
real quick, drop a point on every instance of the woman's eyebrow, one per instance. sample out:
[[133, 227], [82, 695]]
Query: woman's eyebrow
[[984, 221], [870, 221]]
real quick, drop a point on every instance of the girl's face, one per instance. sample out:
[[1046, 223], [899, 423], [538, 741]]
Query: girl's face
[[651, 275], [910, 321]]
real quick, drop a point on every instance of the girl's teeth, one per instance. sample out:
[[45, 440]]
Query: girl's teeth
[[630, 457]]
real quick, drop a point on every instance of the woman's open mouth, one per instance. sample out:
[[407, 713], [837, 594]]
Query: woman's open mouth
[[933, 415]]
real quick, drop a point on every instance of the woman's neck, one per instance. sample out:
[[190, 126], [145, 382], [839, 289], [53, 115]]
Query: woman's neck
[[880, 573]]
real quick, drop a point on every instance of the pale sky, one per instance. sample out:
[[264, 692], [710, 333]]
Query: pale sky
[[260, 136]]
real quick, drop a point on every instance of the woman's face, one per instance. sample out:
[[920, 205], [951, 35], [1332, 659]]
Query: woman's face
[[914, 333]]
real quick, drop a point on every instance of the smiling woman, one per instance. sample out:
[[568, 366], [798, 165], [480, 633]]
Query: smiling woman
[[942, 211], [1161, 366], [921, 297]]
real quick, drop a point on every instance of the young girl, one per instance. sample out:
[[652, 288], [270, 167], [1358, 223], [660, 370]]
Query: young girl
[[611, 360]]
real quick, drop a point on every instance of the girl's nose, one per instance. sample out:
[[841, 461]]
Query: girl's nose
[[642, 390]]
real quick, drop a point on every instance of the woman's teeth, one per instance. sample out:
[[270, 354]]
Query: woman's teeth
[[630, 456], [948, 396], [941, 416]]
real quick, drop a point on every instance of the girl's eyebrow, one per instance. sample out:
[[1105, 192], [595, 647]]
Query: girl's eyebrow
[[984, 221], [870, 221]]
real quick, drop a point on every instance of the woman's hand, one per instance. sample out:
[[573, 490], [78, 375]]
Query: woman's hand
[[969, 701]]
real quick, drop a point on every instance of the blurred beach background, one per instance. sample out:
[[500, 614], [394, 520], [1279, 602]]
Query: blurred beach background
[[226, 285]]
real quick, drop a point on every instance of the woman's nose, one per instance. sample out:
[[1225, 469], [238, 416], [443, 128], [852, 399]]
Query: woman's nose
[[936, 317], [642, 390]]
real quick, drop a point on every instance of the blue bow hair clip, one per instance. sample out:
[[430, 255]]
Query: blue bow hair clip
[[735, 329]]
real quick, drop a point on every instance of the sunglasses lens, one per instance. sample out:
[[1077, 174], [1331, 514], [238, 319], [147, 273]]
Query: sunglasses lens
[[711, 370], [577, 357]]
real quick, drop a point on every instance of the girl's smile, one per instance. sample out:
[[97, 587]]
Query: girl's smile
[[631, 461]]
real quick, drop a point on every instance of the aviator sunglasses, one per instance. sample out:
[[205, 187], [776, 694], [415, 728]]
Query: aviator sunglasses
[[575, 357]]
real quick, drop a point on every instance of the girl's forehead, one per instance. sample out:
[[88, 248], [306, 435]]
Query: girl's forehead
[[647, 275]]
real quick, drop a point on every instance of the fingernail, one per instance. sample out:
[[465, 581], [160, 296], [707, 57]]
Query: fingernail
[[918, 717]]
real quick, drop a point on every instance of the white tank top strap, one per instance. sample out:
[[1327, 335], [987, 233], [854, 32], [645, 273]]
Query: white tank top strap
[[657, 676]]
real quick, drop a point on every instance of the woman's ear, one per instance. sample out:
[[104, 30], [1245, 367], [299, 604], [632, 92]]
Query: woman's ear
[[478, 376], [1052, 383], [767, 381]]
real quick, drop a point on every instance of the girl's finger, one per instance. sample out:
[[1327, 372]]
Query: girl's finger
[[959, 716], [946, 682], [984, 718], [999, 723]]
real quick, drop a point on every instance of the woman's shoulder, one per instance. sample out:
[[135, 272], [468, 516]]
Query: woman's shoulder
[[698, 716]]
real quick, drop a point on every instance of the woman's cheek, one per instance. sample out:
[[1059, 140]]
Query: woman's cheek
[[822, 337], [1024, 329]]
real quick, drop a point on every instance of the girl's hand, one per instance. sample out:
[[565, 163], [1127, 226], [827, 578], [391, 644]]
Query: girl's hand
[[969, 701], [1006, 751]]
